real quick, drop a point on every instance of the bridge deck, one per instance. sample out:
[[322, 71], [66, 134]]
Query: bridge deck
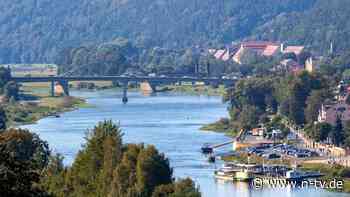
[[122, 78]]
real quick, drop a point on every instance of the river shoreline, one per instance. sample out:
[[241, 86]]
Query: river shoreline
[[29, 112]]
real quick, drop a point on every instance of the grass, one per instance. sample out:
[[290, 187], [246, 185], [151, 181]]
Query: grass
[[31, 111], [36, 104], [223, 126]]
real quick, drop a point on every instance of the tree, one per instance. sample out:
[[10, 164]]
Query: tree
[[94, 164], [313, 104], [25, 146], [23, 157], [320, 131], [182, 188], [152, 169], [5, 76], [249, 117], [53, 179], [3, 119], [346, 75], [338, 135], [18, 178], [11, 90], [185, 188], [347, 133]]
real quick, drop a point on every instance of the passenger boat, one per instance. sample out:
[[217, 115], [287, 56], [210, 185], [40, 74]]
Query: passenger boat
[[225, 174], [234, 172]]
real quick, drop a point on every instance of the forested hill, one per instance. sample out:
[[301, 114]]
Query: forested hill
[[36, 30], [325, 23]]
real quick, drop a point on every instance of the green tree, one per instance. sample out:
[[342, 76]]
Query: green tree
[[320, 131], [25, 146], [346, 75], [338, 135], [53, 179], [313, 104], [3, 119], [18, 178], [347, 133], [11, 90], [94, 164], [5, 76], [23, 158], [249, 117], [182, 188], [152, 169]]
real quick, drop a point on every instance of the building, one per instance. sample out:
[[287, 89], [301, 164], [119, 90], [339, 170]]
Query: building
[[309, 65], [297, 50], [258, 132], [263, 48], [291, 65], [330, 112]]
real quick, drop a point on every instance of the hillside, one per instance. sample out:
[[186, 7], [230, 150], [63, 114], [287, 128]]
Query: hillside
[[34, 31]]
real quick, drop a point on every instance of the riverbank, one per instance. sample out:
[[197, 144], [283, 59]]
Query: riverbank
[[35, 104], [220, 126], [198, 89], [28, 112]]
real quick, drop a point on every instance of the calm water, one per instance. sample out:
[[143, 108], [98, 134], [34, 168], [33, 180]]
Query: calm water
[[171, 122]]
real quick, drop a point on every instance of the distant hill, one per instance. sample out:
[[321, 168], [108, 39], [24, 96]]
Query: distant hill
[[325, 23], [35, 31]]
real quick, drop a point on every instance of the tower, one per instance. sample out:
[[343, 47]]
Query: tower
[[331, 48], [282, 48]]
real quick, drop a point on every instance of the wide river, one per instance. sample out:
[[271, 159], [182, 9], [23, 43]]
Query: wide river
[[171, 122]]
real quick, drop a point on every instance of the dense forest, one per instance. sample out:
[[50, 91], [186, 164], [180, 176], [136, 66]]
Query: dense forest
[[121, 56], [325, 23], [37, 30]]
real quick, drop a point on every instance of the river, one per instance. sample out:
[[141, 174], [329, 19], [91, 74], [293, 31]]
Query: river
[[171, 122]]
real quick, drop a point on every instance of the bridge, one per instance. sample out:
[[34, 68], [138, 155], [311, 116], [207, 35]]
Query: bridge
[[124, 80]]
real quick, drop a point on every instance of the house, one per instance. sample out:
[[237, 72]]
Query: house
[[330, 112], [297, 50], [258, 132], [313, 63], [264, 48], [276, 133], [291, 65]]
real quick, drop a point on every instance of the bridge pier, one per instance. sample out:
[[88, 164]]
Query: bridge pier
[[125, 92], [52, 88], [65, 86]]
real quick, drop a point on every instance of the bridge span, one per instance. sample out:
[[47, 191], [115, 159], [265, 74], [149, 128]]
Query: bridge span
[[124, 80]]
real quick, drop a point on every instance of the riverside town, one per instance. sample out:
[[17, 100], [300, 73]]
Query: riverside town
[[164, 98]]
